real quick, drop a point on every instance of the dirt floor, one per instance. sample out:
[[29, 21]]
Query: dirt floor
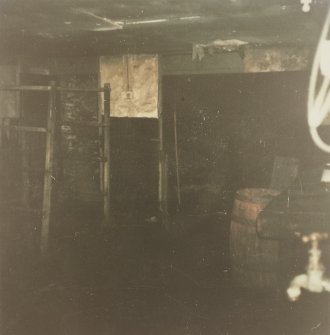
[[139, 279]]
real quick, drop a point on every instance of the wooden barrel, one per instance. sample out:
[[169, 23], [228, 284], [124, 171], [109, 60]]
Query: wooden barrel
[[254, 261]]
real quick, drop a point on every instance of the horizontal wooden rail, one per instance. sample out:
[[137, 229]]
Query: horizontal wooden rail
[[69, 89], [48, 88], [85, 159], [26, 128], [25, 88], [83, 124]]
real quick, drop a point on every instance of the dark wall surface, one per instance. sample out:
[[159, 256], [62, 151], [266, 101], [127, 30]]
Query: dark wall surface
[[134, 164], [134, 151], [230, 128], [133, 157]]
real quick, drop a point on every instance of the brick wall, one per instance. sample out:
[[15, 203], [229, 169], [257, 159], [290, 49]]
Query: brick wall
[[78, 146]]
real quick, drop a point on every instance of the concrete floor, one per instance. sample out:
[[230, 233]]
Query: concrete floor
[[139, 280]]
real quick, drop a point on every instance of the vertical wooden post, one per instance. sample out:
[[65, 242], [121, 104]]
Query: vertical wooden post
[[161, 148], [162, 184], [25, 169], [176, 149], [100, 119], [49, 170], [2, 123], [24, 137], [106, 157]]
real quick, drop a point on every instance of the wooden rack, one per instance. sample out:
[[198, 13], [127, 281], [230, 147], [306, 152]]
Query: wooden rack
[[104, 131]]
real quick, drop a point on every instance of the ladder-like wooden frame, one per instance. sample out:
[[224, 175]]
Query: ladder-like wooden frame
[[50, 131]]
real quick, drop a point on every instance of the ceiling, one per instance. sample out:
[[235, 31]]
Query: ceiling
[[151, 26]]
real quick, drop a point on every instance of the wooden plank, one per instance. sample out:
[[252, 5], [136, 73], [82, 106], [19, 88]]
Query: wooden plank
[[25, 88], [24, 137], [49, 170], [83, 90], [100, 119], [162, 182], [27, 128], [165, 191], [48, 88], [106, 148], [176, 149], [83, 124], [161, 149], [85, 159]]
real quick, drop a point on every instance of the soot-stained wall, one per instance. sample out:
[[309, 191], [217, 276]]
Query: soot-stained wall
[[230, 128], [78, 146], [134, 166], [134, 144], [133, 157]]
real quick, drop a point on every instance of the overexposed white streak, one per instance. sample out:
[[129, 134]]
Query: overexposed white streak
[[188, 18], [147, 21], [115, 24]]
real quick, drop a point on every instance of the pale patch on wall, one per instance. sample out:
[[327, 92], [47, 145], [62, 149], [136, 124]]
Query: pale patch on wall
[[8, 100], [134, 84], [200, 50], [273, 59]]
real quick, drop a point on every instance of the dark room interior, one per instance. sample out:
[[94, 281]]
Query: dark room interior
[[164, 167]]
